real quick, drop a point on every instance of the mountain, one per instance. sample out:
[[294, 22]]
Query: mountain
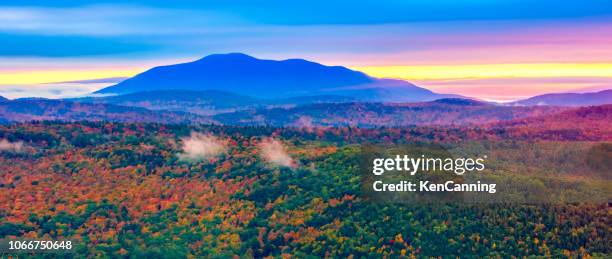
[[584, 123], [570, 99], [243, 74], [2, 99], [440, 112], [21, 110]]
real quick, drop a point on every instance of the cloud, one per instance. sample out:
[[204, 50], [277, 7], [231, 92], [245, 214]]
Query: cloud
[[107, 20], [274, 152], [112, 80], [94, 20], [67, 89], [301, 12], [198, 147], [19, 45], [304, 122], [13, 147], [95, 95], [51, 91]]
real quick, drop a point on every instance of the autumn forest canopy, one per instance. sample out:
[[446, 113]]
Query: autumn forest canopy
[[175, 190], [305, 129]]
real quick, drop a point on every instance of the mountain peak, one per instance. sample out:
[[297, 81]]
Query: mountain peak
[[265, 78], [244, 74], [232, 56]]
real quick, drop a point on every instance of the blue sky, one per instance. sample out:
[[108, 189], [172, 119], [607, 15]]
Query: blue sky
[[43, 36], [86, 28]]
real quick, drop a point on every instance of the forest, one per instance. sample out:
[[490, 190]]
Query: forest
[[148, 190]]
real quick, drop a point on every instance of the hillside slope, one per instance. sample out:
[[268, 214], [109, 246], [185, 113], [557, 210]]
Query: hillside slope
[[584, 123], [43, 109], [208, 102], [440, 112], [570, 99]]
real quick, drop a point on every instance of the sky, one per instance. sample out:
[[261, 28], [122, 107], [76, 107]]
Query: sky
[[494, 50]]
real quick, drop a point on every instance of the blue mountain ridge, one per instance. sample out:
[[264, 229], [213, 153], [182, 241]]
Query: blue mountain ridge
[[259, 78], [569, 99]]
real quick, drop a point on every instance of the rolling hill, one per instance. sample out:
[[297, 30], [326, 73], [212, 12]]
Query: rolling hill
[[570, 99], [22, 110], [208, 102], [364, 114], [439, 112], [198, 102], [270, 79], [584, 123]]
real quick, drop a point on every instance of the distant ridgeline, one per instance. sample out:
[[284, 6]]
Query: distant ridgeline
[[243, 74], [237, 89]]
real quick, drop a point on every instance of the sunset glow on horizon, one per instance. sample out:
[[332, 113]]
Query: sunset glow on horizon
[[469, 49], [488, 71], [58, 76], [439, 78]]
